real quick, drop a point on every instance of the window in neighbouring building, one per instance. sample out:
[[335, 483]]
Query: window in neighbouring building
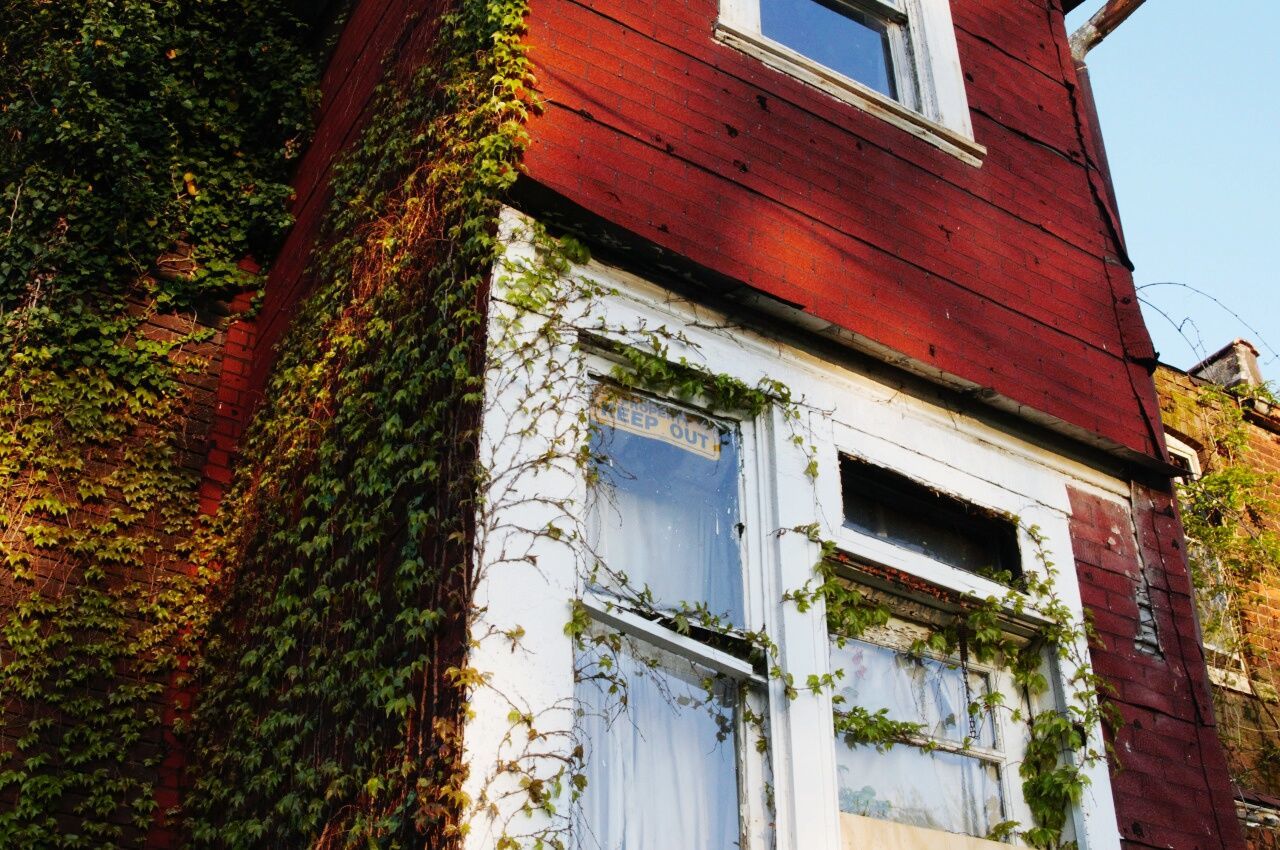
[[894, 58], [1214, 592]]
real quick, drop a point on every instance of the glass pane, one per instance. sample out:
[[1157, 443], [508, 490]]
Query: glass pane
[[919, 690], [845, 40], [938, 790], [658, 733], [664, 512]]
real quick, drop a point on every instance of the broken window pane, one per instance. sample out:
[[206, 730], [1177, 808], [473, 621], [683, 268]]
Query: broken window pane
[[908, 514], [659, 738], [664, 513]]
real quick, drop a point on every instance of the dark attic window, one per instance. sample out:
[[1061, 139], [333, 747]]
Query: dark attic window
[[905, 513]]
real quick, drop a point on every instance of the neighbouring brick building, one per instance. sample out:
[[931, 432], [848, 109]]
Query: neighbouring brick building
[[1238, 604], [917, 238]]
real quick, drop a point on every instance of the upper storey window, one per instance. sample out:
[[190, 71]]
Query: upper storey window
[[867, 42], [894, 58]]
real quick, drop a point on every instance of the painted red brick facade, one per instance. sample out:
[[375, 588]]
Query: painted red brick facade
[[1007, 276], [1170, 790]]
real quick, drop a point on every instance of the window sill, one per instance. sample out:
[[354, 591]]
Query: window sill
[[1230, 679], [850, 91], [858, 831]]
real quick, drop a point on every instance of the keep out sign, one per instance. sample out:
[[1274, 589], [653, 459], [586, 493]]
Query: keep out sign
[[650, 419]]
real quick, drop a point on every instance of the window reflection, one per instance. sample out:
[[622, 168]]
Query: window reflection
[[846, 40]]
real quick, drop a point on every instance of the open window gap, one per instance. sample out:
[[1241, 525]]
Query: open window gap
[[910, 515]]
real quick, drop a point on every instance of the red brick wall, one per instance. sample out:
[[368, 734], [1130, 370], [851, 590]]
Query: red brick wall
[[208, 427], [1007, 275], [379, 34], [215, 421], [1172, 787], [1249, 722]]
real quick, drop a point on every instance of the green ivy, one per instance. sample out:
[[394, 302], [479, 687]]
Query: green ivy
[[331, 689], [1230, 512], [144, 151], [1232, 521]]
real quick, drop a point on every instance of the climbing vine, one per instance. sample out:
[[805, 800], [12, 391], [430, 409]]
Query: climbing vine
[[330, 704], [1232, 521], [1230, 512], [144, 153]]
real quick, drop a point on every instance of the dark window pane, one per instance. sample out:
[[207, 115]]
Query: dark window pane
[[847, 41], [664, 511], [907, 514]]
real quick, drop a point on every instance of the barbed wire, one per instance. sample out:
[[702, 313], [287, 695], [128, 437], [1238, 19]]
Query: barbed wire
[[1256, 335]]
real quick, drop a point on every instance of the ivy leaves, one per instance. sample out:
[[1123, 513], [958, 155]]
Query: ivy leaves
[[144, 150], [331, 688]]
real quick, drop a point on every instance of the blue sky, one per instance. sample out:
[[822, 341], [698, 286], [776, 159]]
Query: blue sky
[[1190, 111]]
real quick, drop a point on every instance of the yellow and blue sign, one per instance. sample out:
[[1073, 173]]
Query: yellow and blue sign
[[647, 418]]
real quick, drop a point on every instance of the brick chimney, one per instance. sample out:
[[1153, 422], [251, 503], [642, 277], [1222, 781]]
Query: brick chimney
[[1235, 364]]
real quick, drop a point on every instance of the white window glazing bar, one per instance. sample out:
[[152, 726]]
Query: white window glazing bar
[[887, 9], [607, 612]]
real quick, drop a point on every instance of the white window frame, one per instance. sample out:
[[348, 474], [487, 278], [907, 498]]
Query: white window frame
[[1189, 456], [933, 105], [751, 769], [607, 610], [531, 587], [1007, 754]]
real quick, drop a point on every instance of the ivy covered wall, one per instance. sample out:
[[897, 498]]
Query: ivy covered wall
[[146, 157], [1232, 513], [145, 151]]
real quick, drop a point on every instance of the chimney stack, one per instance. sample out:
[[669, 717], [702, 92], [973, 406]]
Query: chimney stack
[[1235, 364]]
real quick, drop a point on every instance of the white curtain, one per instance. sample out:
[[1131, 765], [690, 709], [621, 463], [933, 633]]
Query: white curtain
[[666, 518], [956, 792], [661, 755]]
